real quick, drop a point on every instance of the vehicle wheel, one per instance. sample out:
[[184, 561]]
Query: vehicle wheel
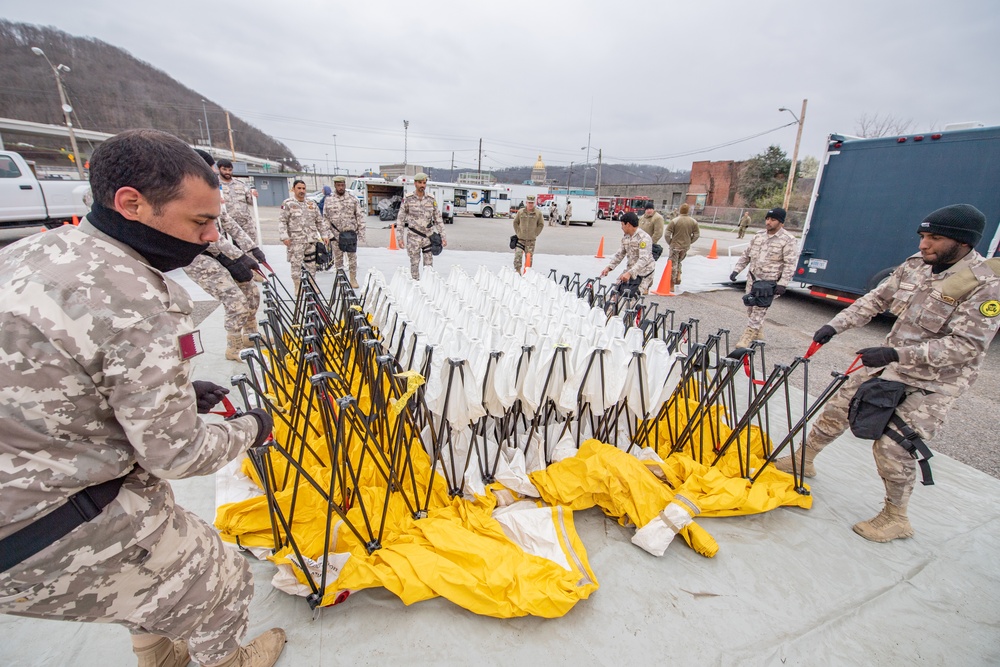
[[879, 277], [600, 215], [487, 212], [565, 222], [590, 224]]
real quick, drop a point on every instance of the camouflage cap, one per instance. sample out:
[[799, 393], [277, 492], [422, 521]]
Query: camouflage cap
[[420, 177], [530, 198], [339, 179]]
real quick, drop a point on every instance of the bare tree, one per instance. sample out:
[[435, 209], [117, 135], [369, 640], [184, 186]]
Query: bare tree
[[879, 125]]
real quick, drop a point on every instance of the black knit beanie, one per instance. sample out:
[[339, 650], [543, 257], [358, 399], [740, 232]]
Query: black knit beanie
[[963, 222], [631, 219]]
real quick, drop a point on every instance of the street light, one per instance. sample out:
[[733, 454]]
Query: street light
[[336, 160], [586, 148], [66, 108], [800, 120], [406, 133]]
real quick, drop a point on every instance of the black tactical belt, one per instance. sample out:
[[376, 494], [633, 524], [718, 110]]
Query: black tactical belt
[[81, 507]]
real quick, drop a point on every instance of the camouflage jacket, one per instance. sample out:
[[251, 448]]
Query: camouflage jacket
[[638, 248], [343, 213], [301, 221], [681, 232], [944, 322], [652, 225], [770, 256], [745, 221], [233, 241], [93, 381], [528, 226], [420, 213], [237, 198]]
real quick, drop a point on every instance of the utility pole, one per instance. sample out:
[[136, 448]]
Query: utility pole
[[795, 152], [201, 130], [208, 130], [336, 160], [66, 108], [480, 159], [599, 172], [327, 163], [406, 133], [451, 172], [232, 146], [569, 176]]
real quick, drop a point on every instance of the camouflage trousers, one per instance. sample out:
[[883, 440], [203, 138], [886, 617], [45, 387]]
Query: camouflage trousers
[[414, 248], [338, 260], [646, 283], [239, 300], [296, 257], [741, 232], [529, 247], [248, 225], [180, 583], [924, 413], [677, 256]]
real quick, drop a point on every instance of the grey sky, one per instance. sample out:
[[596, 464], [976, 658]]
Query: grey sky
[[663, 78]]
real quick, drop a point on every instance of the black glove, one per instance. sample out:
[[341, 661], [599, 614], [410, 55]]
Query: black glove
[[258, 254], [824, 334], [876, 357], [207, 395], [264, 424], [732, 276], [779, 290], [238, 269]]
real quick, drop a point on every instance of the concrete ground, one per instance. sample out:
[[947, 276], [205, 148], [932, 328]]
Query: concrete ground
[[789, 587]]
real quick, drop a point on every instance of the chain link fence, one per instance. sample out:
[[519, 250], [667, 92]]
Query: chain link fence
[[730, 216]]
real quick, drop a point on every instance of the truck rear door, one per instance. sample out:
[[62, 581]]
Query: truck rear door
[[20, 195]]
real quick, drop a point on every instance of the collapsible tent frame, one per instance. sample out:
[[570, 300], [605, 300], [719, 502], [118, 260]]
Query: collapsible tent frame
[[347, 378]]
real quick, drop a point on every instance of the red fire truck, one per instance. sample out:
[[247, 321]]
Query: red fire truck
[[618, 206]]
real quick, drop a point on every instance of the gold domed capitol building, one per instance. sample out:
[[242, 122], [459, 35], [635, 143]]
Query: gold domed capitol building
[[538, 171]]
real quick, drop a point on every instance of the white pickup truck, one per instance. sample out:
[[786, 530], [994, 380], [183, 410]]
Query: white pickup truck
[[27, 203]]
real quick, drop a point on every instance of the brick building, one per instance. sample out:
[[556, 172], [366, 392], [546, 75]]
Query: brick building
[[714, 184]]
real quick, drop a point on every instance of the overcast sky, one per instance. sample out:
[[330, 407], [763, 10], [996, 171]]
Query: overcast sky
[[656, 81]]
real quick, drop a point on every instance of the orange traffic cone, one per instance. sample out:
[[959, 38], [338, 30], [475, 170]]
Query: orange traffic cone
[[76, 221], [42, 229], [664, 288], [527, 262], [600, 250], [65, 222], [392, 238], [714, 252]]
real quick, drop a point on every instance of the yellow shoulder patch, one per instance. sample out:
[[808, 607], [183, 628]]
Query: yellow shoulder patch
[[642, 244], [990, 308]]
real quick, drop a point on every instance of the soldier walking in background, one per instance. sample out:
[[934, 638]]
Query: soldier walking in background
[[652, 223], [528, 224], [89, 528], [238, 198], [342, 212], [680, 234], [567, 216], [420, 222], [771, 257], [637, 248], [744, 223], [300, 228], [553, 213], [946, 300]]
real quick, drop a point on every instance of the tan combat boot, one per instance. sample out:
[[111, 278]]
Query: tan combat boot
[[354, 280], [760, 333], [784, 464], [747, 338], [233, 346], [261, 652], [888, 525], [164, 653]]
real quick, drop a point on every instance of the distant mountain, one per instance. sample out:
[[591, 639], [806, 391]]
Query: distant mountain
[[611, 174], [110, 91]]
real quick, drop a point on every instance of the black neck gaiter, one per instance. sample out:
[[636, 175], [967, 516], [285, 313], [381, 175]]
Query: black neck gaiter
[[162, 251]]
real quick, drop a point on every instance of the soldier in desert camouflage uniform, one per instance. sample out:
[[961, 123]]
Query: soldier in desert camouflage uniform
[[947, 302], [225, 272], [342, 212], [238, 198], [300, 227], [418, 219], [99, 410], [771, 255], [638, 248]]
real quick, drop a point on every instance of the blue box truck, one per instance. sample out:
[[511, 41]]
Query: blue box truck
[[870, 195]]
